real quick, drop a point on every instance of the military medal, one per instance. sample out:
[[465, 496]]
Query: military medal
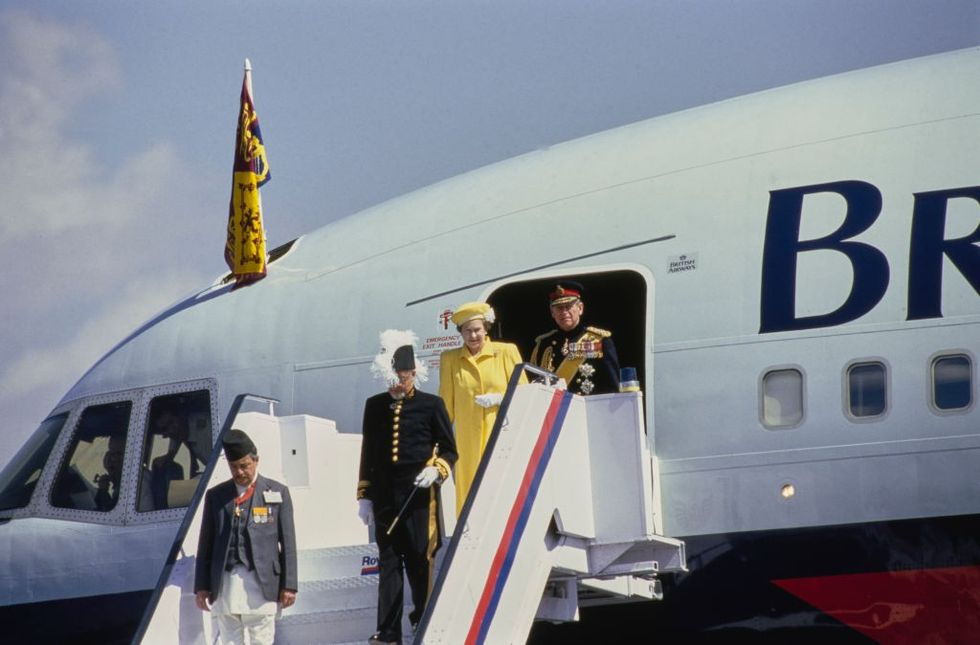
[[244, 497], [583, 349], [586, 370]]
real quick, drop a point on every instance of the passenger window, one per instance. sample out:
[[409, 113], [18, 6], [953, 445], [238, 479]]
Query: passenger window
[[867, 394], [782, 398], [91, 475], [952, 382], [18, 479], [176, 450]]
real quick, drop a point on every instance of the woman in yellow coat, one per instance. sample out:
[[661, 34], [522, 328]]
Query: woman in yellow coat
[[472, 381]]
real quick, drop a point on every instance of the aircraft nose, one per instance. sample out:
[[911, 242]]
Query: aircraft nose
[[61, 576]]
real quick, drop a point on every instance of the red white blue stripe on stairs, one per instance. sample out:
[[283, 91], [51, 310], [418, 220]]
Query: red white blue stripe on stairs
[[503, 559]]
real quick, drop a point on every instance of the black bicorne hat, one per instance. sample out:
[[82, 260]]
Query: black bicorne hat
[[403, 359]]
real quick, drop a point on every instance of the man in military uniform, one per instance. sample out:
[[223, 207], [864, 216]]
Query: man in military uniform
[[407, 446], [585, 357]]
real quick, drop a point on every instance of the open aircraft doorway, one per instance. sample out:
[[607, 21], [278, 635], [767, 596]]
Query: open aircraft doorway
[[614, 300]]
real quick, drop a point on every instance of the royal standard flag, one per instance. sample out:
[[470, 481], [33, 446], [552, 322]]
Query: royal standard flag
[[245, 248]]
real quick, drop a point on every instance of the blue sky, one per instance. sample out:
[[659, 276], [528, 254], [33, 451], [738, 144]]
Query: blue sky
[[117, 121]]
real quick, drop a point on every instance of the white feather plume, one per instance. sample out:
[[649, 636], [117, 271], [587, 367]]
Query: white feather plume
[[390, 340]]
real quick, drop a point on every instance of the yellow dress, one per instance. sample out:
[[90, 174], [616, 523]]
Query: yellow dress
[[461, 377]]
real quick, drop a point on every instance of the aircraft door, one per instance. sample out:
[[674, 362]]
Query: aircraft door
[[614, 300]]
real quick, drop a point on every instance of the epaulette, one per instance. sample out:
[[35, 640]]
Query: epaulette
[[599, 332], [545, 335]]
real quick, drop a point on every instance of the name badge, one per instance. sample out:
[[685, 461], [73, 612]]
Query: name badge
[[261, 514], [272, 497]]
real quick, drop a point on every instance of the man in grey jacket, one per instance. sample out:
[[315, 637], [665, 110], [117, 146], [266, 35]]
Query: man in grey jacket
[[246, 553]]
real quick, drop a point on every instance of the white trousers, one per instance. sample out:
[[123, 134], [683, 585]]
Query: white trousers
[[261, 628], [242, 609]]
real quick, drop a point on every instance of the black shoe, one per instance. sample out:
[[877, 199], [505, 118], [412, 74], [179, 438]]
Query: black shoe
[[376, 639]]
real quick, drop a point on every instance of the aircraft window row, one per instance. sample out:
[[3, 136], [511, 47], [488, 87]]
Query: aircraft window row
[[174, 454], [866, 390], [92, 476]]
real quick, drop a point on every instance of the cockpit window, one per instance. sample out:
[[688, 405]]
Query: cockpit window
[[90, 476], [176, 450], [18, 479]]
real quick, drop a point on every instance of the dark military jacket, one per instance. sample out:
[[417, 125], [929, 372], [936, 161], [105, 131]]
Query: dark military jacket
[[585, 357], [399, 438]]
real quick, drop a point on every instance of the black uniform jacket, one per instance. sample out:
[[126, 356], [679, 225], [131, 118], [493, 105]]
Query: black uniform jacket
[[270, 541], [399, 439], [585, 357]]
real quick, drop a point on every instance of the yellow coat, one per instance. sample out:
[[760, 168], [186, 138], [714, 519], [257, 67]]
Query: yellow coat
[[461, 377]]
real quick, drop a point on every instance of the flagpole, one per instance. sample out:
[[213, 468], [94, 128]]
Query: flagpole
[[248, 77]]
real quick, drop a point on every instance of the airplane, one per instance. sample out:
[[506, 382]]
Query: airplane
[[794, 274]]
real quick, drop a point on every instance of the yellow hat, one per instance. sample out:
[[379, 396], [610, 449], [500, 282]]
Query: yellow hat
[[472, 311]]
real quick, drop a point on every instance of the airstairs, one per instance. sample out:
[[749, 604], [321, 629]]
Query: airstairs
[[564, 508], [564, 513]]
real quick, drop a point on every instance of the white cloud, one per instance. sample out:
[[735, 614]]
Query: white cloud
[[35, 379], [50, 179], [90, 249], [61, 365]]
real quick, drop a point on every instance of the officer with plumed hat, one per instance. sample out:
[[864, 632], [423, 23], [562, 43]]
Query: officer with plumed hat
[[584, 356], [407, 449]]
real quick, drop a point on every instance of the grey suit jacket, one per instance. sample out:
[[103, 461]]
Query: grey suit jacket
[[271, 545]]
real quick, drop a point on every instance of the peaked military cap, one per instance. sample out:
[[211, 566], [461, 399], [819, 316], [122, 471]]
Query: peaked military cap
[[566, 291]]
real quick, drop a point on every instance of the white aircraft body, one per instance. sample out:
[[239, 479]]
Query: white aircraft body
[[794, 274]]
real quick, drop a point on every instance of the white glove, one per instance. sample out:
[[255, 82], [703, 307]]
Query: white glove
[[427, 477], [365, 511], [489, 400]]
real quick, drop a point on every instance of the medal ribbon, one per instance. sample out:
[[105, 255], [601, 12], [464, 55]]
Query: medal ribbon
[[244, 497]]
